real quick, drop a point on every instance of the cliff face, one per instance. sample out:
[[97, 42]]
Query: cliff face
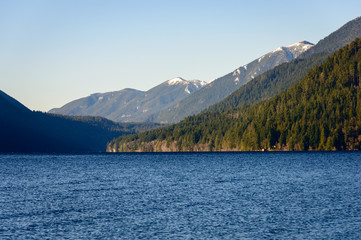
[[164, 146], [137, 146]]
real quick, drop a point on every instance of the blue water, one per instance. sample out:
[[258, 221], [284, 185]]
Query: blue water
[[181, 196]]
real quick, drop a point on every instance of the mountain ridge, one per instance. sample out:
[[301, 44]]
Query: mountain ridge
[[337, 39], [131, 105]]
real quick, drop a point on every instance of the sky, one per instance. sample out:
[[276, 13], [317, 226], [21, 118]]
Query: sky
[[56, 51]]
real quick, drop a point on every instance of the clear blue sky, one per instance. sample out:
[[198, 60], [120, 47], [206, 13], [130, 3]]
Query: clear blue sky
[[55, 51]]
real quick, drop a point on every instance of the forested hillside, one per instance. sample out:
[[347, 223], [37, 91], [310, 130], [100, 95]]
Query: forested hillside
[[25, 131], [321, 112]]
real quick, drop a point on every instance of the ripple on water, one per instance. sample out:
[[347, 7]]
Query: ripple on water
[[197, 196]]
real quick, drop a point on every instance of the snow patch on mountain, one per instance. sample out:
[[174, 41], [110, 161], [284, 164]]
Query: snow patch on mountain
[[277, 50], [295, 49], [260, 59], [237, 72], [197, 83], [212, 80], [298, 48], [289, 53], [278, 56], [177, 80]]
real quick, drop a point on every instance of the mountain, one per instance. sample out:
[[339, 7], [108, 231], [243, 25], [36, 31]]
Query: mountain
[[129, 105], [98, 104], [320, 112], [221, 87], [270, 83], [9, 104], [25, 131], [286, 75], [259, 88]]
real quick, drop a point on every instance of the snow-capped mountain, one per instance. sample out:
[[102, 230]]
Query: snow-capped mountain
[[173, 100], [191, 85], [220, 88], [270, 60], [130, 105]]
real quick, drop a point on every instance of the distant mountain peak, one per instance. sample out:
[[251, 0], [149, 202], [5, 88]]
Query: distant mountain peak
[[130, 105], [198, 83], [177, 80], [276, 50], [293, 50], [306, 42], [302, 43], [298, 48]]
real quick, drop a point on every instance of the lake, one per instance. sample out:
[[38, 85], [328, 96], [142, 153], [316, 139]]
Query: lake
[[314, 195]]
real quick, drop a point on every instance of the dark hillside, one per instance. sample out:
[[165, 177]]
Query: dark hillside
[[25, 131]]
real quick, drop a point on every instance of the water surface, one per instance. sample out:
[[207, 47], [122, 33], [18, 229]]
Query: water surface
[[181, 196]]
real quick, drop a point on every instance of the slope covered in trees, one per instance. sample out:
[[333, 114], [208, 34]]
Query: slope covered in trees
[[321, 112]]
